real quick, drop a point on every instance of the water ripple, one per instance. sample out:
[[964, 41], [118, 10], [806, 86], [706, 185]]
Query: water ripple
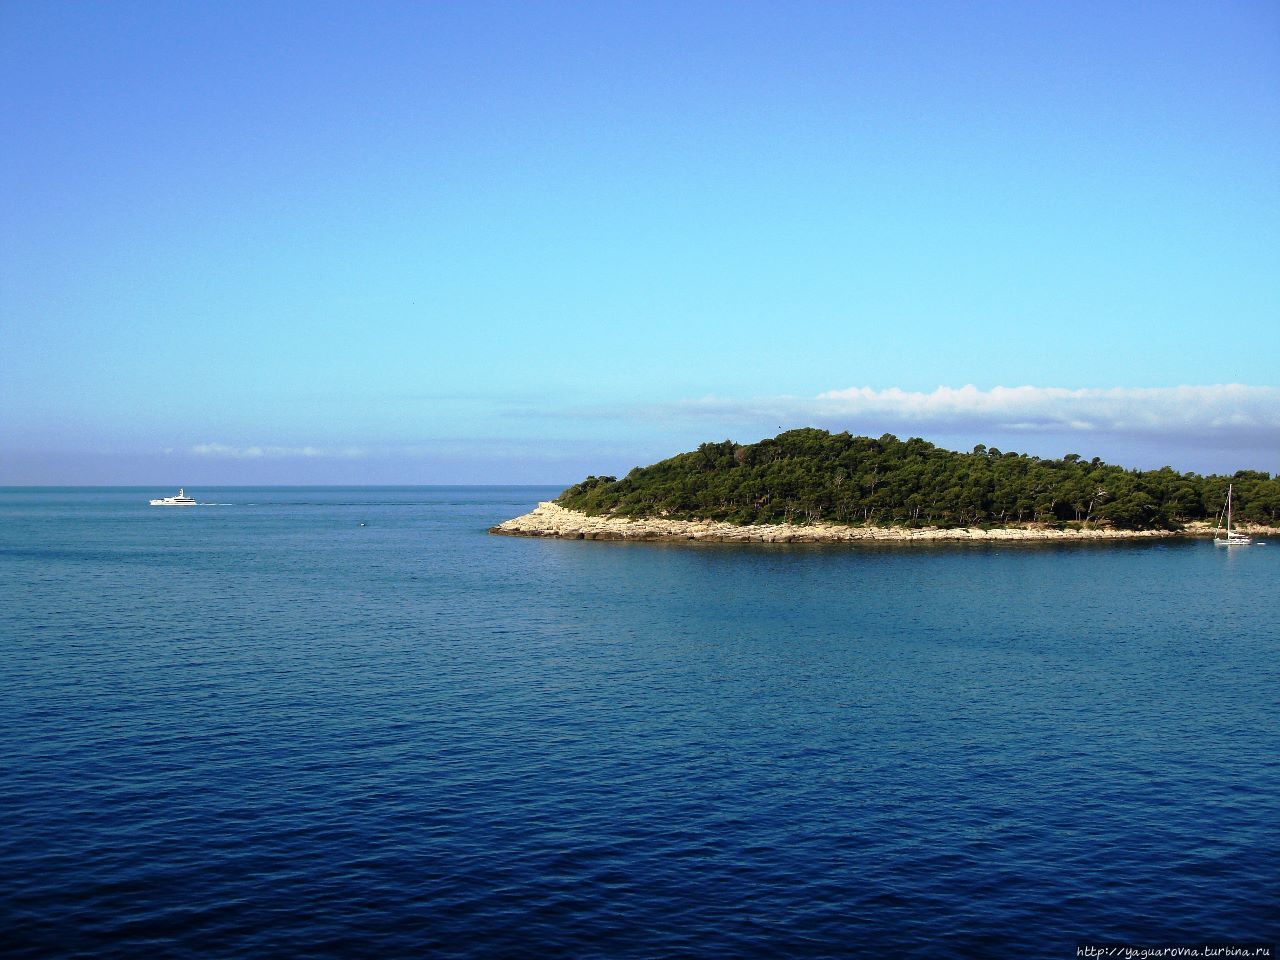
[[253, 732]]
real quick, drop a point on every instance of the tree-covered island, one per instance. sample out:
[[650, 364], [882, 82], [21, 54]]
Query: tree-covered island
[[812, 476]]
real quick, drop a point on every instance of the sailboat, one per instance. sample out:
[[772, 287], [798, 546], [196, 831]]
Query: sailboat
[[1231, 539]]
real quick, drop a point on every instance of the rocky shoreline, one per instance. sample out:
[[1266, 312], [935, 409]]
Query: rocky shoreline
[[550, 519]]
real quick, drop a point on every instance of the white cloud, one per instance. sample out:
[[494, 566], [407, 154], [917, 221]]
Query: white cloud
[[1115, 421], [1134, 411], [225, 451], [477, 448]]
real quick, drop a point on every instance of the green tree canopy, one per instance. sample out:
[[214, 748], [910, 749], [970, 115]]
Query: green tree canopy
[[810, 475]]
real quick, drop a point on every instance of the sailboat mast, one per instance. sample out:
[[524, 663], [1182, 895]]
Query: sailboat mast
[[1232, 538]]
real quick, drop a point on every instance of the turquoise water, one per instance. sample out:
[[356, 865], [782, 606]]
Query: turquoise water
[[261, 729]]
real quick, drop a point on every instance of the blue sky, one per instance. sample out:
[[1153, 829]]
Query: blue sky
[[432, 243]]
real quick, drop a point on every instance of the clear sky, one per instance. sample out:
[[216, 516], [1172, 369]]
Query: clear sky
[[480, 242]]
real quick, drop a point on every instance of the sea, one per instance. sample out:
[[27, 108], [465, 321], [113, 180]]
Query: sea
[[348, 722]]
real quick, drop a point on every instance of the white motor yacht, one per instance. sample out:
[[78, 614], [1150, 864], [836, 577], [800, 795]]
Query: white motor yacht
[[181, 500]]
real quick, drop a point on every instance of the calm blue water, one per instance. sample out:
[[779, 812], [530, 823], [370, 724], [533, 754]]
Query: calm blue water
[[261, 729]]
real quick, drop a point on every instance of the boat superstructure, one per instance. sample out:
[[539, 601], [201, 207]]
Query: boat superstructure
[[1231, 539], [181, 500]]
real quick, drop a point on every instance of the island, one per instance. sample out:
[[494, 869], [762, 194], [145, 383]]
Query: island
[[809, 485]]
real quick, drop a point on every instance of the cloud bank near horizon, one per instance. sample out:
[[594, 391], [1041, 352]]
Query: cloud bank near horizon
[[1221, 413], [1209, 429], [1224, 416], [474, 448], [255, 452]]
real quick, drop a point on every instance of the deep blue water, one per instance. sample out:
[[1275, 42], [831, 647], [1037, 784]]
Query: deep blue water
[[261, 729]]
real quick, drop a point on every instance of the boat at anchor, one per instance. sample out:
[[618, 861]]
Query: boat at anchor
[[1231, 539], [181, 500]]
